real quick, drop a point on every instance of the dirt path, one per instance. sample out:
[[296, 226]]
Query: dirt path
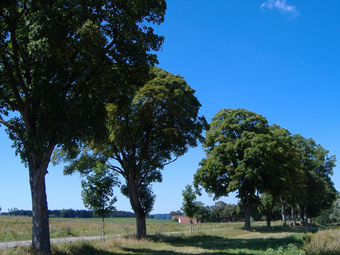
[[67, 239], [57, 240]]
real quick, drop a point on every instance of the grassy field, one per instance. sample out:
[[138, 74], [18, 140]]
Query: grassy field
[[17, 228], [208, 238]]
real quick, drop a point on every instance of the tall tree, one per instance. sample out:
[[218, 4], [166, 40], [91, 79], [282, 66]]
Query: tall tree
[[279, 159], [97, 193], [189, 205], [244, 154], [228, 165], [319, 192], [59, 62], [149, 129]]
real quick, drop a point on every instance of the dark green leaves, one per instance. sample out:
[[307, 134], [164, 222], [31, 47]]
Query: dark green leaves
[[189, 206], [97, 191], [60, 63]]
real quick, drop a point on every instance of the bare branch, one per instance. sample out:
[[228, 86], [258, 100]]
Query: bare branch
[[13, 84], [6, 124], [11, 127], [116, 169]]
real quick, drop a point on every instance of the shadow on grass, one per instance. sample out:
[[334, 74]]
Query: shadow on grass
[[288, 229], [167, 252], [217, 243], [83, 249]]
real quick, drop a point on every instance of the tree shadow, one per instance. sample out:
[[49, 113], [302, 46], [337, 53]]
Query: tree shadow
[[168, 252], [221, 244], [84, 249], [288, 229]]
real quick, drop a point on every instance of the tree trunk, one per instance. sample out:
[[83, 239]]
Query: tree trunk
[[141, 224], [283, 213], [246, 208], [305, 220], [302, 214], [40, 221], [268, 219], [103, 231], [132, 185], [293, 216]]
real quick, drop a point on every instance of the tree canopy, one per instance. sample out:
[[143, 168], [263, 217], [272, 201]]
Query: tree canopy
[[318, 192], [60, 63], [97, 193], [234, 150], [147, 130], [263, 164], [189, 205]]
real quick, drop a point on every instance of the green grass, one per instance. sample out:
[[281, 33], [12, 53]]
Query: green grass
[[17, 228], [207, 239]]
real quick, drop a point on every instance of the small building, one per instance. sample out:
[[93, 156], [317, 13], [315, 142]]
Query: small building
[[184, 219]]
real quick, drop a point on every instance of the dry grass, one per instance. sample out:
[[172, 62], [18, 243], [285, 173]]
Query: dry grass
[[19, 228], [323, 242], [207, 239]]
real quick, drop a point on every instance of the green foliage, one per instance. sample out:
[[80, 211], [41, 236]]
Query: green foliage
[[147, 129], [319, 192], [245, 155], [189, 206], [145, 196], [97, 191], [228, 152], [59, 60], [173, 213], [290, 249], [335, 212]]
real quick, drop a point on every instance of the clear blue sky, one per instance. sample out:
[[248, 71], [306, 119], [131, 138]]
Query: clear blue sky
[[280, 59]]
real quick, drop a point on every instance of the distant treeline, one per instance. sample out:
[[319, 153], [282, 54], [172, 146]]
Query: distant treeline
[[70, 213]]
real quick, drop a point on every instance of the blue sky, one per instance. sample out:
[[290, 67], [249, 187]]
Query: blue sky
[[280, 59]]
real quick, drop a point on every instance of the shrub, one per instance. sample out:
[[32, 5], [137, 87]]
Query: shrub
[[290, 249], [325, 242]]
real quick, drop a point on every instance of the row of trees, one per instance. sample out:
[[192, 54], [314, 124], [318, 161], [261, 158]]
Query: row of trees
[[82, 85], [79, 77], [61, 62], [146, 130], [71, 213], [222, 212], [265, 165]]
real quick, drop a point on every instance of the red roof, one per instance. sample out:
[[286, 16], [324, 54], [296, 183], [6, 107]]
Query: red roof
[[184, 219]]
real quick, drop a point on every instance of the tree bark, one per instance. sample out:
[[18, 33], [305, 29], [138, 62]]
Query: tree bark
[[136, 206], [268, 220], [40, 220], [246, 208], [293, 216], [303, 214], [283, 213], [103, 229], [141, 224]]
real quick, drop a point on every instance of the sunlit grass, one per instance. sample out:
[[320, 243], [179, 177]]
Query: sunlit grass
[[19, 228], [217, 238]]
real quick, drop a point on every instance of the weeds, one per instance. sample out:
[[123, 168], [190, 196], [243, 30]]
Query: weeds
[[323, 242], [290, 249]]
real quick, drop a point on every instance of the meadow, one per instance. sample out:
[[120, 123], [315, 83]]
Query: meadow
[[217, 238]]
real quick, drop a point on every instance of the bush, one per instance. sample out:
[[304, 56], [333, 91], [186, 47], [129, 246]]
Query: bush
[[290, 249], [323, 242]]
